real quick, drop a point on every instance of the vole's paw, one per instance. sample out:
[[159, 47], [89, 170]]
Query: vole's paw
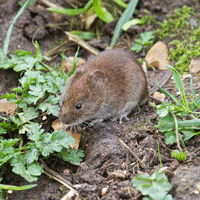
[[121, 117], [73, 128], [95, 121]]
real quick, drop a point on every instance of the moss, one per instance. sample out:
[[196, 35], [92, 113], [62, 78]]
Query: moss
[[182, 37]]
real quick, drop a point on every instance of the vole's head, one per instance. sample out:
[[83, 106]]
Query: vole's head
[[84, 96]]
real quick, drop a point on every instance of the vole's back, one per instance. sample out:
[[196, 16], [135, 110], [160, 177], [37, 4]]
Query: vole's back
[[109, 85], [126, 79]]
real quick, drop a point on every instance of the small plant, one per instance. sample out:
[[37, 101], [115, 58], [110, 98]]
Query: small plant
[[40, 95], [145, 40], [179, 155], [23, 139], [155, 187], [179, 119], [182, 36]]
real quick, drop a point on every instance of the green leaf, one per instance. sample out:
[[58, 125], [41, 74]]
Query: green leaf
[[189, 133], [10, 97], [54, 99], [156, 186], [170, 137], [73, 156], [186, 124], [29, 99], [2, 130], [38, 90], [35, 132], [136, 47], [179, 84], [31, 155], [121, 3], [169, 95], [101, 12], [123, 19], [62, 139], [44, 145], [84, 35], [194, 105], [12, 187], [72, 12], [30, 172], [179, 155], [51, 109], [6, 146], [28, 114], [16, 120], [130, 23], [7, 150], [35, 169], [147, 37]]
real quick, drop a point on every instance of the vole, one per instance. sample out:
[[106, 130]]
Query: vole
[[110, 84]]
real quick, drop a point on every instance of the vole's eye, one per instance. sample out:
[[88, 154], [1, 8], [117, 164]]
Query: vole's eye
[[78, 106]]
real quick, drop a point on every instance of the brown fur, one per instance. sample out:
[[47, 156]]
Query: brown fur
[[110, 84]]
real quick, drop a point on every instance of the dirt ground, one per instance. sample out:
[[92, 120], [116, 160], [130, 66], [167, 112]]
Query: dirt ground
[[107, 163]]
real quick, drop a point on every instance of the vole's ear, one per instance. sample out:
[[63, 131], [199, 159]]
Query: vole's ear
[[96, 77]]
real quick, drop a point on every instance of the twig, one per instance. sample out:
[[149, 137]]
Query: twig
[[82, 43], [57, 177], [51, 5], [164, 145], [141, 163]]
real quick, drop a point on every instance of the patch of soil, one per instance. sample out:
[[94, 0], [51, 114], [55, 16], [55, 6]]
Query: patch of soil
[[108, 166]]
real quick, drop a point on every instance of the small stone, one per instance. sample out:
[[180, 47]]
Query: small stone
[[157, 56], [104, 191], [66, 171], [198, 186], [10, 191], [159, 96], [194, 66], [44, 118], [196, 192]]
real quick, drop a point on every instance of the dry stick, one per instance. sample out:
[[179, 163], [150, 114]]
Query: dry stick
[[57, 177], [141, 163], [164, 145], [176, 130], [51, 5], [82, 43]]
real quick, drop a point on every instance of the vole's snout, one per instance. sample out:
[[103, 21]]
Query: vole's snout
[[67, 118]]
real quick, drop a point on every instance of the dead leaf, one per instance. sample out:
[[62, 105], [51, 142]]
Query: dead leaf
[[8, 108], [58, 125]]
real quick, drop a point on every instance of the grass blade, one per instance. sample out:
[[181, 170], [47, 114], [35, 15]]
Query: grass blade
[[186, 124], [179, 84], [12, 187], [102, 13], [123, 19], [169, 95], [7, 40], [71, 12], [121, 3], [84, 35]]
